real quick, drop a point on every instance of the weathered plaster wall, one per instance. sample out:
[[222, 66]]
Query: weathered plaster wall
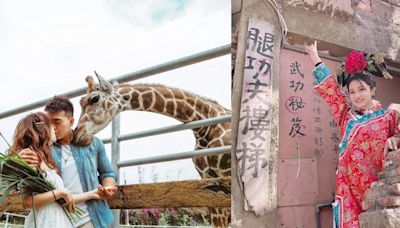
[[367, 25], [240, 218]]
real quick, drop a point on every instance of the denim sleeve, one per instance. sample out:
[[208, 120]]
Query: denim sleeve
[[104, 166]]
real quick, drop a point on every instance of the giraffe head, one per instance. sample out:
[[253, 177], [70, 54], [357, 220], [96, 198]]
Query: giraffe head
[[99, 106]]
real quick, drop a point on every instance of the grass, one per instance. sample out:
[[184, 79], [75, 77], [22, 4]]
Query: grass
[[17, 175]]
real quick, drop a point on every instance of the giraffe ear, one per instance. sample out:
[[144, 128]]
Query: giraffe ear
[[105, 86], [91, 84]]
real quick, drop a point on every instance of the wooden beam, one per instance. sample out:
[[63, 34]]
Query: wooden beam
[[213, 192]]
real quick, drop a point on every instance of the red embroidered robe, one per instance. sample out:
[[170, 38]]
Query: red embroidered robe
[[361, 147]]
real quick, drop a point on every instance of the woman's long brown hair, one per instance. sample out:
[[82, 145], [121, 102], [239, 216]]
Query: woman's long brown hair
[[34, 132]]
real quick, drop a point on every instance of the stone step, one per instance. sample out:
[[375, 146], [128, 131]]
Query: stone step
[[392, 180], [392, 159], [388, 218], [389, 173], [376, 192], [389, 201], [394, 189], [378, 183], [371, 205]]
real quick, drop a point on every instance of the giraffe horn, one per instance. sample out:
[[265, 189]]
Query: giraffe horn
[[91, 84], [105, 86]]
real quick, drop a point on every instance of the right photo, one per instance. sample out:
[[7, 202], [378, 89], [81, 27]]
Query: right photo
[[315, 114]]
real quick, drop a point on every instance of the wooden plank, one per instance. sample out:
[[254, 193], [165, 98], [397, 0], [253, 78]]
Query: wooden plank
[[193, 193]]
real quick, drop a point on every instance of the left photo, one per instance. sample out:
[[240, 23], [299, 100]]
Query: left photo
[[115, 114]]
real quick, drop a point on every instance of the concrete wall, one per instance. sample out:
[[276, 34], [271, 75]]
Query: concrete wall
[[367, 25]]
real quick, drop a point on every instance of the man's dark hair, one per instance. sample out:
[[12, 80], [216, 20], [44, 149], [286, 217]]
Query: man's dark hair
[[60, 103]]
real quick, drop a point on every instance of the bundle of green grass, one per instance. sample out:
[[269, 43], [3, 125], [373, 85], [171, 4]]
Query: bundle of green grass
[[16, 175]]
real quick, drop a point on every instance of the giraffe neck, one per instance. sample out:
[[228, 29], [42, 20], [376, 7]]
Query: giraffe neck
[[175, 103]]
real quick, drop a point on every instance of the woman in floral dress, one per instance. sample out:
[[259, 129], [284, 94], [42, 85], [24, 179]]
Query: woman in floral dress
[[365, 128]]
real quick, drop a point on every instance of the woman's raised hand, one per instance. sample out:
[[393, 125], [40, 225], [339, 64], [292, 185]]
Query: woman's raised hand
[[312, 51]]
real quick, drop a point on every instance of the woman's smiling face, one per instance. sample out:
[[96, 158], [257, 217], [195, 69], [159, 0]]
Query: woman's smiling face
[[360, 94]]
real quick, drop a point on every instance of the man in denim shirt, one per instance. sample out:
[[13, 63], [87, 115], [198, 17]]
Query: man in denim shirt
[[89, 162]]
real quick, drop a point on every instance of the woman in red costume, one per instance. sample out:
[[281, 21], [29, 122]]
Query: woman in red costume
[[365, 128]]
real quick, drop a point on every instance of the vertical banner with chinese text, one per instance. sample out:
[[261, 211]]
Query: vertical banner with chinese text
[[253, 140]]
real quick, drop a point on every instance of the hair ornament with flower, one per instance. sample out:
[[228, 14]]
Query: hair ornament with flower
[[360, 62]]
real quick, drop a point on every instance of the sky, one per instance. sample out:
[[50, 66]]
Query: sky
[[49, 47]]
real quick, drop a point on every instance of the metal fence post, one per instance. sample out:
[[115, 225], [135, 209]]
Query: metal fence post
[[7, 216], [115, 155], [126, 217]]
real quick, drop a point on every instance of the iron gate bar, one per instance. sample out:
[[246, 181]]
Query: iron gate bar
[[160, 68], [172, 128], [176, 156]]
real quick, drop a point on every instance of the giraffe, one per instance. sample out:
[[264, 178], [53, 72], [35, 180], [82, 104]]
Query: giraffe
[[103, 101]]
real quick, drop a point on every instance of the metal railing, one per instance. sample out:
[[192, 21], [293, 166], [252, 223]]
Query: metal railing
[[176, 156], [116, 138], [170, 129], [157, 69], [7, 224]]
